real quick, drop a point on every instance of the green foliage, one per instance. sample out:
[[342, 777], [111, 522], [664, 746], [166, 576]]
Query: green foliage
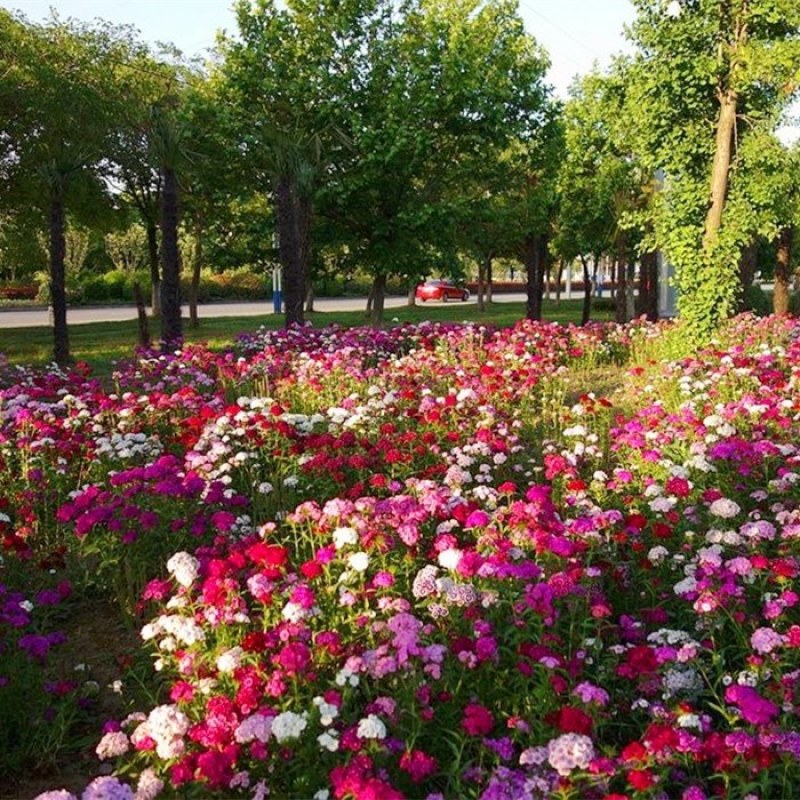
[[690, 62], [756, 300]]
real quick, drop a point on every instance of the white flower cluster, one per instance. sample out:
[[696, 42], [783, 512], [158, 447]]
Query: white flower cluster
[[184, 630], [166, 726], [344, 536], [113, 744], [327, 711], [289, 725], [682, 681], [128, 445], [184, 568], [230, 660], [371, 727], [570, 751], [255, 727]]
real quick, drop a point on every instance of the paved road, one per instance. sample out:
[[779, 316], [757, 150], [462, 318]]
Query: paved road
[[78, 316]]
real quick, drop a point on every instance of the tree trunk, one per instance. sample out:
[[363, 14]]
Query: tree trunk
[[534, 258], [726, 126], [310, 297], [783, 271], [171, 322], [559, 278], [489, 271], [58, 288], [587, 291], [621, 280], [141, 314], [480, 289], [630, 297], [412, 295], [378, 297], [197, 264], [648, 287], [370, 301], [155, 273], [748, 262], [294, 214]]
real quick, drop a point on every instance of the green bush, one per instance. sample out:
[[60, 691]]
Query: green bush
[[756, 300]]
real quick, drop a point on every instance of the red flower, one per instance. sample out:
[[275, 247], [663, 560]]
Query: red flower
[[478, 720], [641, 779], [271, 557], [418, 765], [311, 569], [571, 720]]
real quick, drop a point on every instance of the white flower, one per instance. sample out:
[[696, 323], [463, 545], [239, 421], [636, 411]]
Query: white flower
[[346, 677], [724, 508], [184, 568], [256, 726], [288, 725], [327, 711], [450, 558], [113, 744], [371, 727], [230, 659], [663, 504], [329, 741], [344, 536], [358, 561]]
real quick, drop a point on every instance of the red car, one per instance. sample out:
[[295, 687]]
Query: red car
[[441, 290]]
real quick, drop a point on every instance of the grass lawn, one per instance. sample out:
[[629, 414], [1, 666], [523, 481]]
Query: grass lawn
[[102, 343]]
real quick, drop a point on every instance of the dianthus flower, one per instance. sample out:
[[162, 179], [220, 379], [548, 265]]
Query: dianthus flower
[[765, 640], [478, 720], [754, 708], [570, 751], [107, 788]]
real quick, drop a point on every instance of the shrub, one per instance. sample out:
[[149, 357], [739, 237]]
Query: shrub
[[756, 300]]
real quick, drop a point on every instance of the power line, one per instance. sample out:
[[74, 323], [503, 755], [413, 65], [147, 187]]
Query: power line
[[565, 32]]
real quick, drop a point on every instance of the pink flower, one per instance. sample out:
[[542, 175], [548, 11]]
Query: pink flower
[[478, 720], [418, 765], [752, 706], [765, 640]]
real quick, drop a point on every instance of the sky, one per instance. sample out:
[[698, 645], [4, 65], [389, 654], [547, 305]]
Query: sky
[[574, 32]]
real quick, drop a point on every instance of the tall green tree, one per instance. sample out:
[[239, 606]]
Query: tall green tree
[[286, 81], [62, 84], [168, 140], [448, 87], [707, 73]]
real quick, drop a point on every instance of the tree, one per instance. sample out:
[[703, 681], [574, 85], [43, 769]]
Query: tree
[[447, 87], [167, 144], [62, 84], [707, 74], [285, 82]]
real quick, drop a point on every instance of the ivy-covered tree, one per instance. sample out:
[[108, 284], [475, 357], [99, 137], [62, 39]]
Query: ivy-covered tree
[[707, 74]]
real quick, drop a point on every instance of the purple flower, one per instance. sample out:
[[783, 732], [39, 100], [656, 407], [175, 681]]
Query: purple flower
[[107, 788], [765, 640]]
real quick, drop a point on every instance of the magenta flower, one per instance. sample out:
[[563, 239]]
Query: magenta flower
[[754, 708], [478, 720]]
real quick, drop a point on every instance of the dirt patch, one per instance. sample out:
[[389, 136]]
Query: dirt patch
[[99, 643]]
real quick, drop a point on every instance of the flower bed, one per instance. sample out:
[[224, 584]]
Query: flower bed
[[430, 563]]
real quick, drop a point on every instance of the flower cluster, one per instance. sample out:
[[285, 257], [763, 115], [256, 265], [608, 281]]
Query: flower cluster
[[400, 564]]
